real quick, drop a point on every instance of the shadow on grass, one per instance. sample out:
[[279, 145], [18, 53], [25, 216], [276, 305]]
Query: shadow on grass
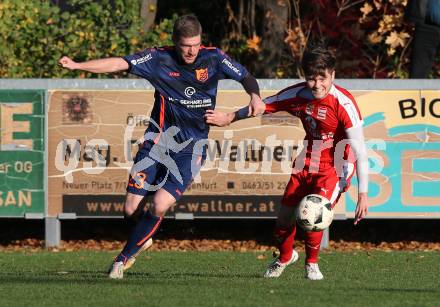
[[167, 274], [166, 278], [398, 290], [92, 277]]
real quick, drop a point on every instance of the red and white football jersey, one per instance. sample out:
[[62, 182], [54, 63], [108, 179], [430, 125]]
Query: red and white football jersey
[[324, 120]]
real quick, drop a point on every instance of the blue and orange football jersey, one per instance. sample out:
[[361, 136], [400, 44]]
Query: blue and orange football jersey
[[183, 91]]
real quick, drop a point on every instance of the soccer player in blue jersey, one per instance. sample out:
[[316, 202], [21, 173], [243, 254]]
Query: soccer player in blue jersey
[[185, 77]]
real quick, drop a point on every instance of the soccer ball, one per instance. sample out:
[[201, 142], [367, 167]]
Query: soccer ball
[[314, 213]]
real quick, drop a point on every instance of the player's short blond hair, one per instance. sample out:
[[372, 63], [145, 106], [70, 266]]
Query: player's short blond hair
[[186, 26]]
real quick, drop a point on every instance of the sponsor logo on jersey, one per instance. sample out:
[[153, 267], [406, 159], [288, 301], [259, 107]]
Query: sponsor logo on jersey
[[197, 103], [202, 74], [142, 59], [174, 74], [189, 91], [229, 64], [322, 113]]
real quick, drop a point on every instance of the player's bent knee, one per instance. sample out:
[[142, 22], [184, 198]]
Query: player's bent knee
[[132, 202], [162, 201], [159, 209], [286, 216], [128, 211]]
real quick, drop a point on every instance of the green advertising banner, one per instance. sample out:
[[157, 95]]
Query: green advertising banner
[[21, 152]]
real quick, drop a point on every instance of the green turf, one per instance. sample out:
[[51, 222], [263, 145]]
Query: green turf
[[218, 279]]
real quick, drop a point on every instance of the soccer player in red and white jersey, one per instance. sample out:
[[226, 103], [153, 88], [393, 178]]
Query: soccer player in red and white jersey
[[333, 149]]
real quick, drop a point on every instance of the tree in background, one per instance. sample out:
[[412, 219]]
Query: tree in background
[[259, 28], [267, 36], [35, 34], [148, 14], [387, 38], [369, 36]]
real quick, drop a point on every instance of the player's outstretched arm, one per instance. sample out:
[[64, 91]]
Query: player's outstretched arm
[[95, 66], [251, 87], [357, 143], [221, 119]]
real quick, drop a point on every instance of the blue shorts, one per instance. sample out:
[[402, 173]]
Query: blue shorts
[[156, 168]]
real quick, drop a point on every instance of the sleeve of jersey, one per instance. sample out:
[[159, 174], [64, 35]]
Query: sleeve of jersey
[[348, 112], [229, 68], [142, 64], [274, 105], [356, 140]]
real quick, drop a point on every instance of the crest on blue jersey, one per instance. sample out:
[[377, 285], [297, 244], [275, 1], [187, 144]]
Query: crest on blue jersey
[[202, 74]]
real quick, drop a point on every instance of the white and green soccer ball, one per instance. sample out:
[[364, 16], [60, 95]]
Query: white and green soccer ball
[[314, 213]]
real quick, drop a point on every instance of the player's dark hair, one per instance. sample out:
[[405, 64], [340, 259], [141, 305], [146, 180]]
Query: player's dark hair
[[316, 59], [186, 26]]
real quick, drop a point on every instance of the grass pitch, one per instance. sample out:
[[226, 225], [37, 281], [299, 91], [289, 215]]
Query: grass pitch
[[218, 279]]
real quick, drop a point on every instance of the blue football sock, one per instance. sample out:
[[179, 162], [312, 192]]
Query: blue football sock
[[144, 230]]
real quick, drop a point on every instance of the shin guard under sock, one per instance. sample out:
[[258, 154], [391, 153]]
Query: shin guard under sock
[[144, 230], [313, 244], [285, 238]]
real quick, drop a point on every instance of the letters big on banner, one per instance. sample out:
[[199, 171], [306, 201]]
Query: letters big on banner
[[92, 137], [21, 152], [403, 133]]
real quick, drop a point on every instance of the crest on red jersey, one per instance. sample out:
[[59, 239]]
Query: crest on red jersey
[[322, 113], [202, 74]]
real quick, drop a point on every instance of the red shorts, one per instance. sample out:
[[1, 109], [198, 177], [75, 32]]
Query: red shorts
[[325, 182]]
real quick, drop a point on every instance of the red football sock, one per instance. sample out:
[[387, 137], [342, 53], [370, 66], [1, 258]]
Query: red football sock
[[285, 238], [313, 243]]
